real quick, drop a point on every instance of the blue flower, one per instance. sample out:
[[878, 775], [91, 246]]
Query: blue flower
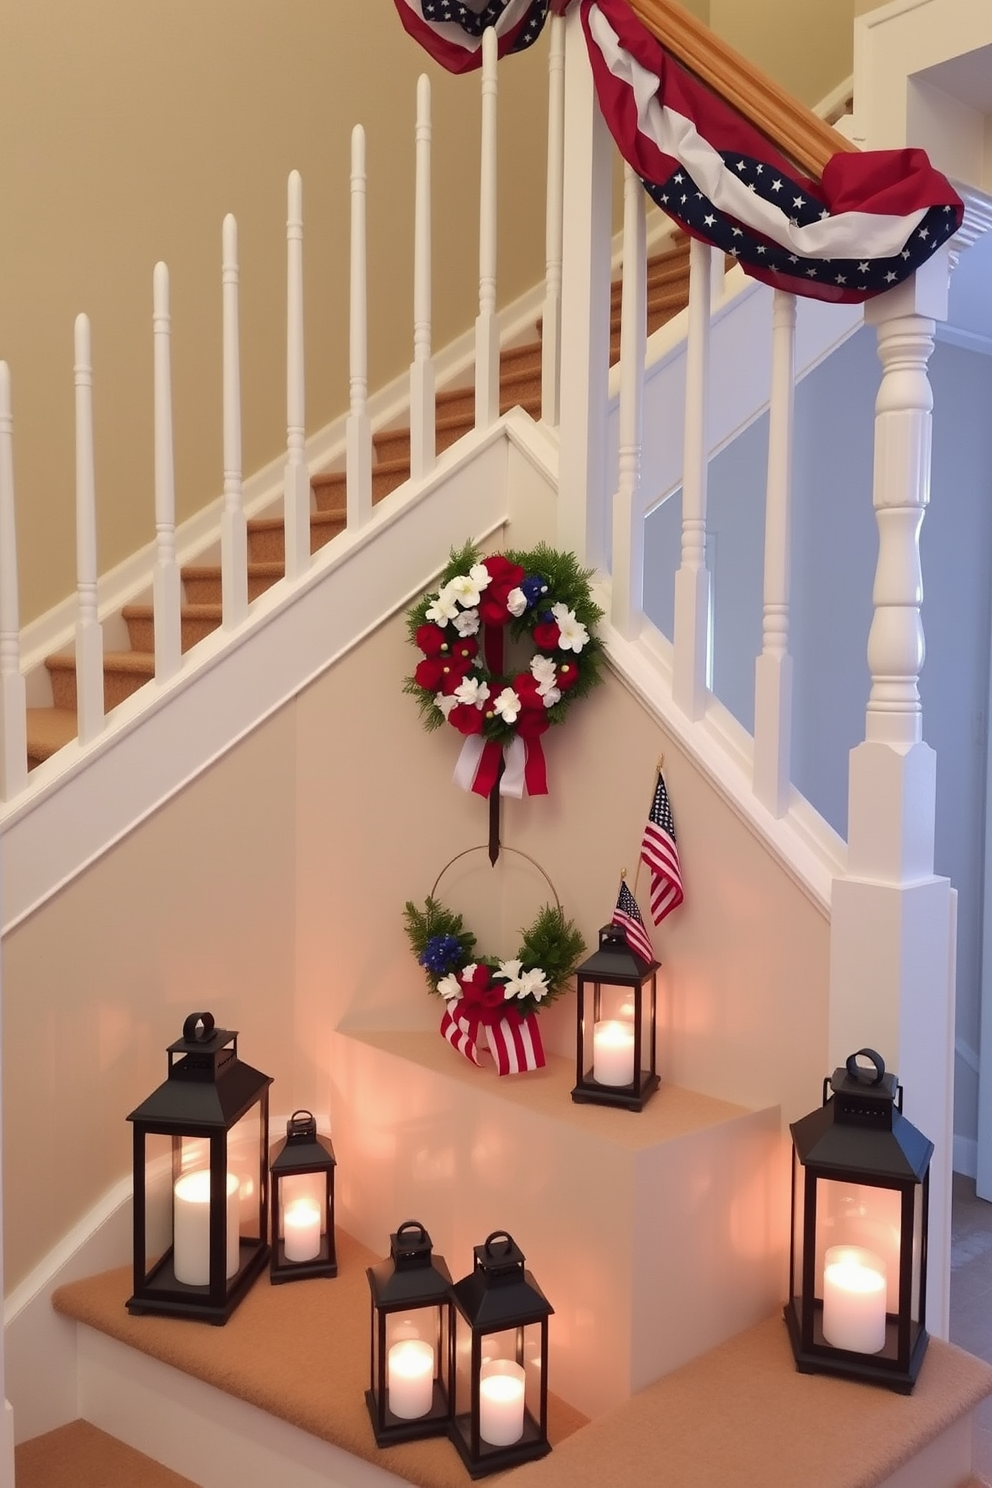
[[441, 953], [533, 586]]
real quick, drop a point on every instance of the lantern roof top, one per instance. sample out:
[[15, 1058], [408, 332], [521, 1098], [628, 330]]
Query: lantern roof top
[[860, 1129], [614, 961], [208, 1088], [302, 1149], [498, 1293]]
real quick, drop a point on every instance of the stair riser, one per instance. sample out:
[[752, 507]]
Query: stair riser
[[330, 490], [117, 685], [206, 589], [141, 632]]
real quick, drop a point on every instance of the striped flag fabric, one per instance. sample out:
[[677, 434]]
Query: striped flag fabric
[[451, 30], [514, 1042], [458, 1031], [869, 223], [628, 917], [660, 854]]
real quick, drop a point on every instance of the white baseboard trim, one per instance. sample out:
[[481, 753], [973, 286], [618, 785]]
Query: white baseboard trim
[[965, 1156]]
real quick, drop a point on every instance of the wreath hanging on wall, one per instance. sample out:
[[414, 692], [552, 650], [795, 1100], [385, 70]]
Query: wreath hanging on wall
[[541, 597], [485, 992]]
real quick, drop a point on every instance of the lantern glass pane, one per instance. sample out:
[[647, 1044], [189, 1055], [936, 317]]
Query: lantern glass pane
[[917, 1251], [608, 1034], [510, 1384], [416, 1342], [302, 1191], [864, 1217], [244, 1161], [158, 1198], [798, 1228]]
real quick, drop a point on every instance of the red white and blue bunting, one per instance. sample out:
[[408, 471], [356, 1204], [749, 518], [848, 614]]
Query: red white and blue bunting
[[871, 221]]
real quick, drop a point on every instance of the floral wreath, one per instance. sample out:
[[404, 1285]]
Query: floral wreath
[[541, 595], [480, 991]]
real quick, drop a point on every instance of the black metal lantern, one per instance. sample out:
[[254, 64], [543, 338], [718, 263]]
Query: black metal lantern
[[617, 1011], [858, 1266], [201, 1193], [302, 1170], [500, 1403], [412, 1340]]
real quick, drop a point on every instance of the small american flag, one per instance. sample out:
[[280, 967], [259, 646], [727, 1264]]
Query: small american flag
[[628, 917], [660, 854]]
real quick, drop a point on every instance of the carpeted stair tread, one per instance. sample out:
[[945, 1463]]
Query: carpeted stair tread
[[743, 1415], [80, 1455], [47, 730], [298, 1351]]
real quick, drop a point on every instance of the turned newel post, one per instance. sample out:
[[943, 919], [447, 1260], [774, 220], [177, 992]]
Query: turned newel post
[[892, 918]]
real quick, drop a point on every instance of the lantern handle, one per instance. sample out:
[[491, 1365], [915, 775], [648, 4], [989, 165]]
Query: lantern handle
[[863, 1076], [190, 1033], [484, 847], [413, 1224], [503, 1235]]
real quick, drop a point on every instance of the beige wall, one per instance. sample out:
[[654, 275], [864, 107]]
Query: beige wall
[[132, 126], [271, 892]]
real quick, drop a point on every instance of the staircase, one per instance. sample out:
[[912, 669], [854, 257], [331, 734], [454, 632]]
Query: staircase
[[48, 729]]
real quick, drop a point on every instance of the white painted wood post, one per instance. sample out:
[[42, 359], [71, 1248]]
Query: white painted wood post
[[234, 528], [358, 431], [584, 490], [627, 594], [773, 668], [551, 320], [892, 918], [166, 584], [422, 403], [89, 634], [13, 698], [486, 329], [296, 476], [691, 664]]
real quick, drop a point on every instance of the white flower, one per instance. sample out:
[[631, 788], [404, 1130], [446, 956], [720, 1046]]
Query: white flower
[[442, 608], [467, 622], [573, 633], [468, 972], [450, 988], [516, 602], [465, 590], [544, 672], [533, 983], [472, 691], [479, 574], [550, 697], [444, 704], [507, 705], [509, 969]]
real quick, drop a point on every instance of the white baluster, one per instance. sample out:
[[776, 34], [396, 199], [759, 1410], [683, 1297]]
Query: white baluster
[[167, 588], [551, 323], [358, 432], [234, 528], [422, 403], [486, 330], [89, 634], [13, 737], [296, 476], [626, 605], [583, 489], [773, 668], [691, 668]]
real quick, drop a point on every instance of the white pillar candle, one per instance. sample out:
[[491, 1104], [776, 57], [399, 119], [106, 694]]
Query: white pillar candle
[[301, 1226], [613, 1052], [854, 1299], [501, 1403], [410, 1378], [191, 1228]]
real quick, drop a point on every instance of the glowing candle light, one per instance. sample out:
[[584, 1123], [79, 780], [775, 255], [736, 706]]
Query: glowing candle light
[[854, 1299], [501, 1403], [301, 1226], [613, 1052], [191, 1228], [410, 1378]]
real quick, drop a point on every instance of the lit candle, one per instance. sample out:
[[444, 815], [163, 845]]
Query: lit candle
[[613, 1052], [854, 1299], [301, 1227], [191, 1228], [410, 1378], [501, 1403]]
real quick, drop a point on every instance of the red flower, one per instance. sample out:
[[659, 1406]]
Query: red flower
[[525, 686], [431, 639], [547, 635], [466, 718], [504, 576], [501, 570], [531, 724], [464, 650], [568, 675], [478, 990], [440, 673]]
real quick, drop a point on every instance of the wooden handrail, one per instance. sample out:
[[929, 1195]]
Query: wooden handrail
[[792, 127]]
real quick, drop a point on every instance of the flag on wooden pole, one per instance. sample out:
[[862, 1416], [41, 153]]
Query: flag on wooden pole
[[660, 854], [628, 917]]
